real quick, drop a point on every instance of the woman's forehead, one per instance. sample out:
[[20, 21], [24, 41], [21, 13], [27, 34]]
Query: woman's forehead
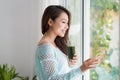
[[63, 16]]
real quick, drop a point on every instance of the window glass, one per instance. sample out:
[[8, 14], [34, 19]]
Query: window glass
[[74, 34], [104, 38], [74, 7]]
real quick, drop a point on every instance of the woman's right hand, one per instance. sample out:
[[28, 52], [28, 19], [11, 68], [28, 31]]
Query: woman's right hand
[[89, 63]]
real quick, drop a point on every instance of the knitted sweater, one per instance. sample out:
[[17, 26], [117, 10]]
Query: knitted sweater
[[52, 64]]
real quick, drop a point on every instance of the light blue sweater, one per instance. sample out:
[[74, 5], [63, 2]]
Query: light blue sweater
[[52, 64]]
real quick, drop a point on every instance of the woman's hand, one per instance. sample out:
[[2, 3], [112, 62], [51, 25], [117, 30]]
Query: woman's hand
[[74, 61], [90, 63]]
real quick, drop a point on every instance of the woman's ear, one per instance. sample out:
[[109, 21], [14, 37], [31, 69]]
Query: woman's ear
[[50, 22]]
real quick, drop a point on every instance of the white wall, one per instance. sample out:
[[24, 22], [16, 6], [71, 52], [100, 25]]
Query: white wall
[[20, 31], [19, 34]]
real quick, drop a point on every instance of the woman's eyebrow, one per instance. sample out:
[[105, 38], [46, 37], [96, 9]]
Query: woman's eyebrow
[[65, 19]]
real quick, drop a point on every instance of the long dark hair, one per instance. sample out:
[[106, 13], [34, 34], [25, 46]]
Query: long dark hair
[[53, 12]]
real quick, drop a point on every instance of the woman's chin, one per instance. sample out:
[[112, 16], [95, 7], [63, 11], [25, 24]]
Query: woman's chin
[[62, 35]]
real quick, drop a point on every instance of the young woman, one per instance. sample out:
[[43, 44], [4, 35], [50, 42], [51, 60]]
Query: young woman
[[52, 61]]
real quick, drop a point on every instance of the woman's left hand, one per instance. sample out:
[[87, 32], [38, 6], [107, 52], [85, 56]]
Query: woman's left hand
[[74, 61]]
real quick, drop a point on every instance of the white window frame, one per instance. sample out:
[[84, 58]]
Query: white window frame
[[86, 34]]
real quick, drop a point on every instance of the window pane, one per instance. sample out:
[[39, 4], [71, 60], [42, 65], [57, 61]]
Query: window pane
[[74, 6], [74, 34], [104, 34]]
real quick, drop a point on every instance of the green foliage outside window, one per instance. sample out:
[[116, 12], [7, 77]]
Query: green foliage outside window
[[102, 15]]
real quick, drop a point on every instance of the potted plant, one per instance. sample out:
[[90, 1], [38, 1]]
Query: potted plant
[[7, 73]]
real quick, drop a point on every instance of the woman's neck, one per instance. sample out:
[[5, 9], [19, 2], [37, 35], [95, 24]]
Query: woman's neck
[[50, 37]]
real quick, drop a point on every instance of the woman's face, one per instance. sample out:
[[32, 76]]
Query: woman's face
[[60, 25]]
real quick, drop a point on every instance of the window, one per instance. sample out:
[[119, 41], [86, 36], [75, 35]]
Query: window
[[75, 33], [95, 33], [74, 7], [104, 38]]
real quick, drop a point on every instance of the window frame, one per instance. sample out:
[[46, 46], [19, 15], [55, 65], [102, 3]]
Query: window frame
[[85, 34]]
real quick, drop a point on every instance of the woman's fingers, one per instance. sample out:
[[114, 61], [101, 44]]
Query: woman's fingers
[[75, 57], [91, 63], [74, 61]]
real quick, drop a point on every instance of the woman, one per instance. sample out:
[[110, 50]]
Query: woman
[[51, 54]]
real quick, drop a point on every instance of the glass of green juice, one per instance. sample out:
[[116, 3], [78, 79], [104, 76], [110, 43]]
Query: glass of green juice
[[71, 51]]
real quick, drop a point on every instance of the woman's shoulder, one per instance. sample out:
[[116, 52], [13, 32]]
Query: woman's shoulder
[[45, 49], [42, 42], [44, 45]]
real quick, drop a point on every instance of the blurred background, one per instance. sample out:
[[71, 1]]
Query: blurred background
[[94, 31]]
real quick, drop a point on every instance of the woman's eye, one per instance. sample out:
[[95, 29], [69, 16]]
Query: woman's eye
[[63, 22]]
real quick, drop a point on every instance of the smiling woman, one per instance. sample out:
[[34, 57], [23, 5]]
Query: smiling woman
[[51, 58], [61, 22]]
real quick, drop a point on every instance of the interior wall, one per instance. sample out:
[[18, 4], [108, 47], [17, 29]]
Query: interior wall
[[19, 34], [20, 31]]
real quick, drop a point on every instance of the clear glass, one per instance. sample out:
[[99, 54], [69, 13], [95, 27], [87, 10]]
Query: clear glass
[[104, 36], [74, 34]]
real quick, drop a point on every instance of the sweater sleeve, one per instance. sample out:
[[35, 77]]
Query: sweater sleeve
[[49, 70]]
